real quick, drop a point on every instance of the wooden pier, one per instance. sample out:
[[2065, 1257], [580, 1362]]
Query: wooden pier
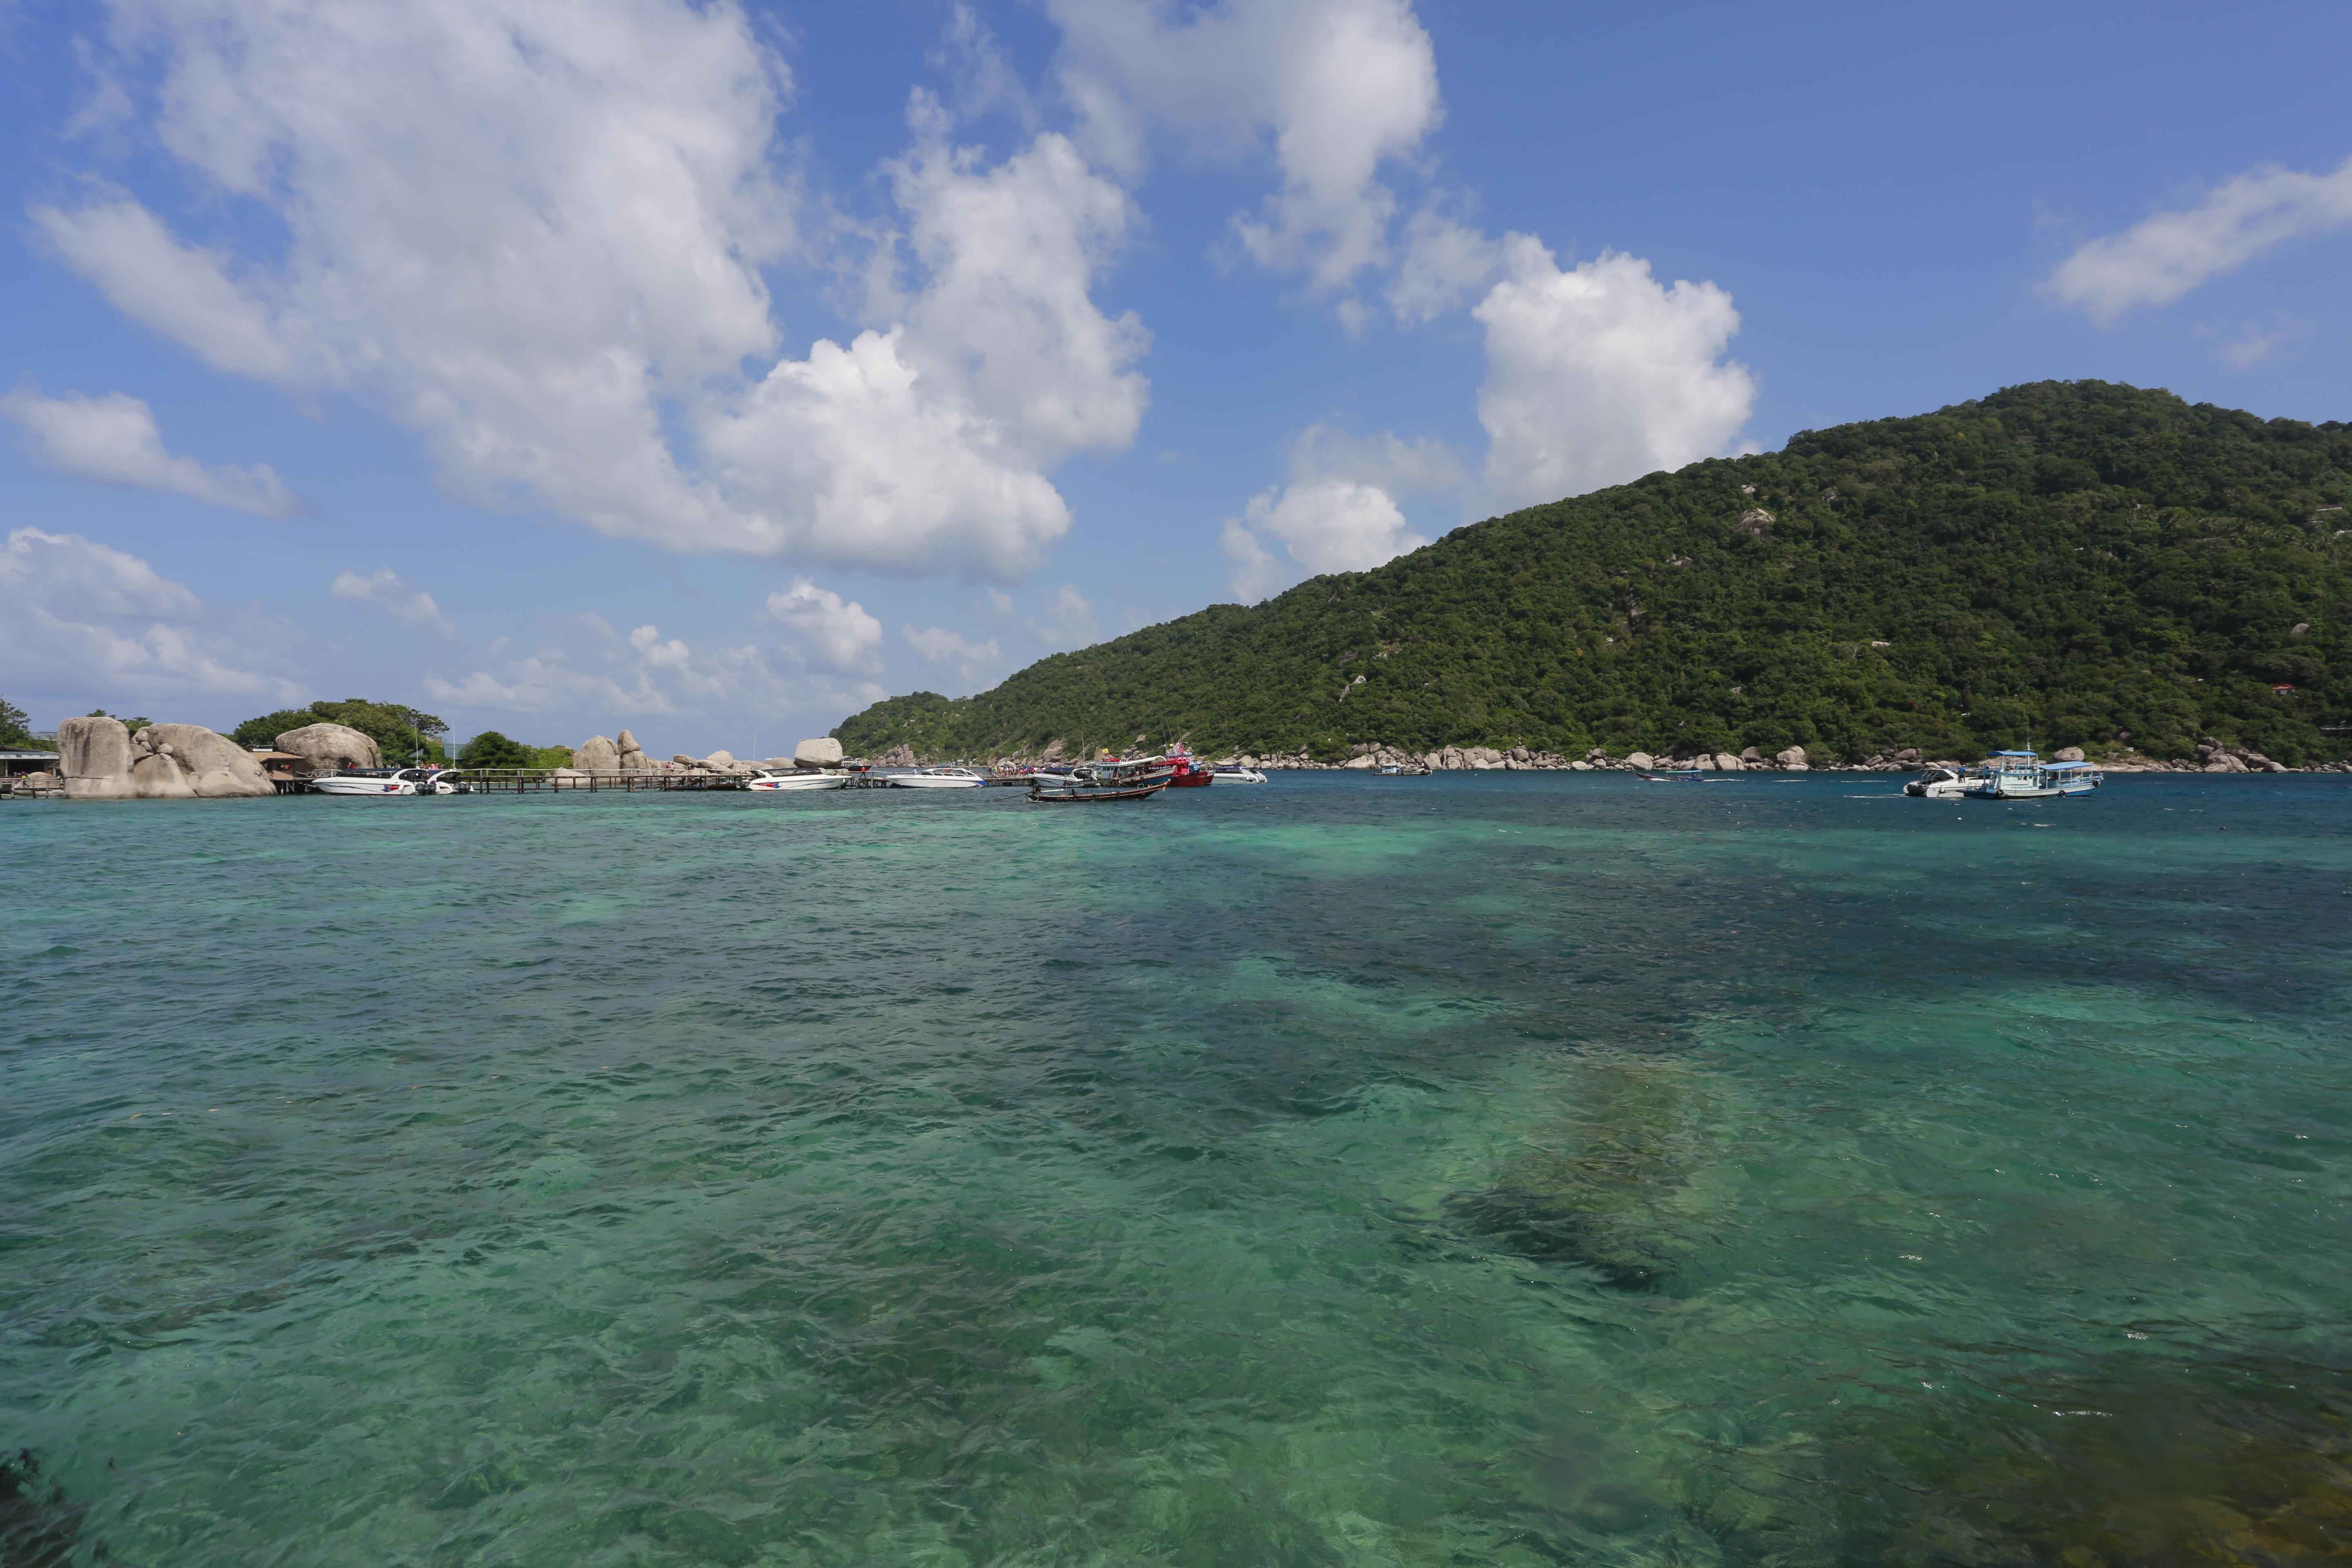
[[534, 781]]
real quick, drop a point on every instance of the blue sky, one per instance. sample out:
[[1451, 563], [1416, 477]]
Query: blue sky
[[711, 370]]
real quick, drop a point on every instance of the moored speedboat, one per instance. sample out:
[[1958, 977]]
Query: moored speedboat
[[794, 780], [376, 782], [1233, 773], [1937, 783], [939, 778]]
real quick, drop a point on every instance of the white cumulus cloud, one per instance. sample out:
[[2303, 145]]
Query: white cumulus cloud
[[384, 589], [1337, 88], [835, 634], [972, 664], [1069, 622], [1445, 264], [1327, 524], [1600, 373], [537, 237], [113, 440], [597, 679], [2167, 254], [1339, 510], [79, 618]]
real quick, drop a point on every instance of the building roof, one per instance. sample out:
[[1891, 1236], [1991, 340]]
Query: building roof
[[12, 754]]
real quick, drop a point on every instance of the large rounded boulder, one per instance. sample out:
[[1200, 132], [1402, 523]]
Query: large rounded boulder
[[332, 745], [95, 756], [212, 766], [597, 754]]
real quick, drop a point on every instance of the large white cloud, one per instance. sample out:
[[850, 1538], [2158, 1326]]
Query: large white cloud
[[1339, 87], [1326, 525], [594, 679], [1600, 373], [1339, 510], [2167, 254], [972, 664], [536, 236], [113, 440], [85, 620], [384, 589], [835, 634]]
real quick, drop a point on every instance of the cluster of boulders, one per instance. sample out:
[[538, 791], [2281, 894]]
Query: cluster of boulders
[[2214, 757], [599, 756], [602, 754], [100, 759]]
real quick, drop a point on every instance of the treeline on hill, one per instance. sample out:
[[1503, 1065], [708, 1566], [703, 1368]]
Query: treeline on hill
[[2061, 563], [399, 732]]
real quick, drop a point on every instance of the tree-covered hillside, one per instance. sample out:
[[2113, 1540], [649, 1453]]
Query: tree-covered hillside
[[2063, 563]]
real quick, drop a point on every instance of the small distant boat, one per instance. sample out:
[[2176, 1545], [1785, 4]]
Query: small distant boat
[[940, 778], [795, 779], [376, 782], [1677, 775], [1400, 771], [1233, 773]]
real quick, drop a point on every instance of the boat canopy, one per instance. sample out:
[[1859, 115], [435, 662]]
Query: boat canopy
[[2014, 753], [2062, 767]]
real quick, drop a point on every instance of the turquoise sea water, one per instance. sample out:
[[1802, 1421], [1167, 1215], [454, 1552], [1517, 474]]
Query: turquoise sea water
[[1480, 1168]]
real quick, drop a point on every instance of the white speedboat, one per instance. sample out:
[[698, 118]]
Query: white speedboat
[[795, 779], [940, 778], [1233, 773], [376, 782], [1937, 783]]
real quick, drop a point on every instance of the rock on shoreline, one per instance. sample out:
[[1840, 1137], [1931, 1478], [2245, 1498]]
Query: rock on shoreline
[[100, 759]]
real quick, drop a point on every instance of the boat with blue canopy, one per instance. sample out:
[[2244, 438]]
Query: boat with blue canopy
[[2022, 775]]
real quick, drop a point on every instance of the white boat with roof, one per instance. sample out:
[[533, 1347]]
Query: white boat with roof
[[2022, 775]]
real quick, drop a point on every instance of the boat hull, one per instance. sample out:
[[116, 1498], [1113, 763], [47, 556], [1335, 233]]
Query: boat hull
[[799, 784], [928, 781], [1095, 796]]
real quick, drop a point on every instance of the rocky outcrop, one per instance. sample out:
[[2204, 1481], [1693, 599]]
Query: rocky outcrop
[[632, 757], [156, 775], [94, 755], [212, 766], [597, 754], [2067, 754], [332, 746], [1794, 760], [824, 751], [1726, 762], [101, 760]]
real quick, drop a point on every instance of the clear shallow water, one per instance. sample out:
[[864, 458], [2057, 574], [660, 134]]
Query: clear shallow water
[[1509, 1169]]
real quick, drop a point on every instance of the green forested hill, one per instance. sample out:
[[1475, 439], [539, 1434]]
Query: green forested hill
[[2064, 563]]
